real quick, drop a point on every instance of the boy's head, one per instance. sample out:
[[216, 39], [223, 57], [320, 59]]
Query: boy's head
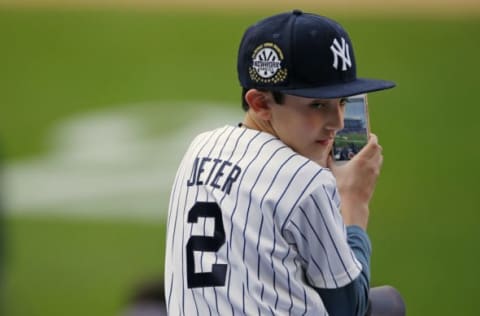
[[301, 54]]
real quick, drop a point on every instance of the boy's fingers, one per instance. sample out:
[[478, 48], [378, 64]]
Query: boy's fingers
[[372, 148]]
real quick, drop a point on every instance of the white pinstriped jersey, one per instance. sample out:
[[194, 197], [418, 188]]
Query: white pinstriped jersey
[[251, 226]]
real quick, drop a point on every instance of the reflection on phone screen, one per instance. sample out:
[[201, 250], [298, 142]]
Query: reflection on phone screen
[[354, 135]]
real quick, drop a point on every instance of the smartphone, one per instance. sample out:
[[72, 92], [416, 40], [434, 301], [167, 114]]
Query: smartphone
[[356, 130]]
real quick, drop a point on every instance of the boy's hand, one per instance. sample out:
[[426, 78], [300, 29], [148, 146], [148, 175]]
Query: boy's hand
[[356, 182]]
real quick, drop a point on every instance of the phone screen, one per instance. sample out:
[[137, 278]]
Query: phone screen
[[354, 135]]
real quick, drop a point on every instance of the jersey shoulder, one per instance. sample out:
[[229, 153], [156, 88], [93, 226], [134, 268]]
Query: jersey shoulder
[[307, 171]]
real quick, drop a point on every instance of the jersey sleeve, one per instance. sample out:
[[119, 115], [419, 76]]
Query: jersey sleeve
[[320, 237], [353, 298]]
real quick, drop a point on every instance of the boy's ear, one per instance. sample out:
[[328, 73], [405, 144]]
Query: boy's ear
[[258, 102]]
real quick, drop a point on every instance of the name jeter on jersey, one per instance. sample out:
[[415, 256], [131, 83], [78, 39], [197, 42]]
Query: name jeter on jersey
[[217, 173]]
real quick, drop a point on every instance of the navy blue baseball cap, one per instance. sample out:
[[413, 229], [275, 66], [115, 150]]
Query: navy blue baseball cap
[[302, 54]]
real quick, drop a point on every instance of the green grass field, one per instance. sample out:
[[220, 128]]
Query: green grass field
[[58, 64]]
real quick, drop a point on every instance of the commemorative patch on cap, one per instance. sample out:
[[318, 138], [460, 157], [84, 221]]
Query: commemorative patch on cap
[[266, 64]]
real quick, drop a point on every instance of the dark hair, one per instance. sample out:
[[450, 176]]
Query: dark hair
[[277, 96]]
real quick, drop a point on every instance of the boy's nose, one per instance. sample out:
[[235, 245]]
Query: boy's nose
[[335, 117]]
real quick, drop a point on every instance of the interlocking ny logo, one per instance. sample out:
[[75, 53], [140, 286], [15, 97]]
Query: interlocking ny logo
[[343, 52]]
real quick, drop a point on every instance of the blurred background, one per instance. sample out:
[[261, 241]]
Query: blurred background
[[99, 99]]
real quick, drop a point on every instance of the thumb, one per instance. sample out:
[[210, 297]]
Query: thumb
[[370, 149]]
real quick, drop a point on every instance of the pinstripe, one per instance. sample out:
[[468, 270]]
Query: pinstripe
[[275, 209], [231, 155], [183, 260], [233, 152], [335, 210], [311, 257], [205, 143], [183, 234], [191, 229], [271, 311], [288, 281], [248, 213], [214, 145], [292, 209], [260, 233], [178, 212], [174, 226], [273, 215], [300, 196], [240, 184], [337, 215], [305, 302], [233, 212], [208, 155], [170, 291], [320, 243], [223, 147], [250, 196], [243, 299], [258, 244], [241, 180], [201, 261], [331, 238], [170, 205], [204, 232], [243, 155], [228, 288]]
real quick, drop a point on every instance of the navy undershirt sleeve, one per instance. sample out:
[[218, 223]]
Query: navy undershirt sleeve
[[352, 299]]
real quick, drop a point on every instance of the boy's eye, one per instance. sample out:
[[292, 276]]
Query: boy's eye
[[318, 105]]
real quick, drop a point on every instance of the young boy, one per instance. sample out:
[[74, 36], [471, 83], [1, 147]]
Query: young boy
[[261, 221]]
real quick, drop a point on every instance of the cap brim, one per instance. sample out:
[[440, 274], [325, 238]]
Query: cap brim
[[359, 86]]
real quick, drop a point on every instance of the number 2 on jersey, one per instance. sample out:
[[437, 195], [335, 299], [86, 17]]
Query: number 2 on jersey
[[206, 243]]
